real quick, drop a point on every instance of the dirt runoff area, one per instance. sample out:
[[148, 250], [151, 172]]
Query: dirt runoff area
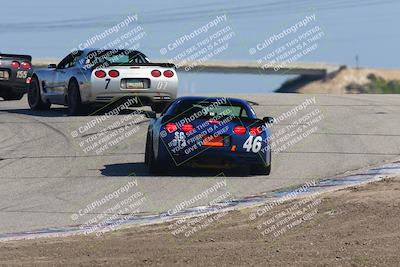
[[357, 226]]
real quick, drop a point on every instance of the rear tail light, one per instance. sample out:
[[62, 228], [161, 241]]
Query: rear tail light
[[25, 65], [168, 73], [171, 127], [239, 130], [255, 131], [15, 65], [28, 80], [100, 74], [113, 73], [187, 127], [156, 73]]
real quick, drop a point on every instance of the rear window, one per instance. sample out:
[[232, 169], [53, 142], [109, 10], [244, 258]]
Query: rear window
[[205, 108], [108, 57]]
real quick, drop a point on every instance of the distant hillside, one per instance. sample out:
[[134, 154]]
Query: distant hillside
[[346, 80]]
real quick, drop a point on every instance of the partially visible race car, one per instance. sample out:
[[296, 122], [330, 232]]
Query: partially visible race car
[[15, 71], [93, 76], [209, 132]]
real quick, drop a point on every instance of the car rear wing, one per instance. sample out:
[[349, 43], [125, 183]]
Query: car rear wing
[[242, 120], [163, 65], [14, 56]]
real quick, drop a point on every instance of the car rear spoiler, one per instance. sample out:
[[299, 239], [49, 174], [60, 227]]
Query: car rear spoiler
[[163, 65], [241, 120], [26, 57]]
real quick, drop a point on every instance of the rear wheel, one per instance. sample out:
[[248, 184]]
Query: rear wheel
[[147, 151], [75, 106], [261, 169], [152, 163], [35, 98], [155, 166]]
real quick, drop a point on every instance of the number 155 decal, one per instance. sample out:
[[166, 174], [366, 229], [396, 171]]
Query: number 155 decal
[[253, 144]]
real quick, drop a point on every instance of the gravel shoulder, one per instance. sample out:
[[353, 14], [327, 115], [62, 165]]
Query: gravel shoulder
[[352, 227]]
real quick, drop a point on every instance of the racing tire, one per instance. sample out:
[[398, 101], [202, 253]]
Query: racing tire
[[159, 107], [154, 165], [261, 169], [12, 96], [147, 150], [74, 101], [34, 97]]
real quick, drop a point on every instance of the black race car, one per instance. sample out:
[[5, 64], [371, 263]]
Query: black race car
[[209, 132], [15, 72]]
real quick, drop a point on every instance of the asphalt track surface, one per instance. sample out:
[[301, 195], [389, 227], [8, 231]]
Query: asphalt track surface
[[45, 177]]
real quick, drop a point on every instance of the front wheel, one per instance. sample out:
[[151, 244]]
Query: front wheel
[[34, 97]]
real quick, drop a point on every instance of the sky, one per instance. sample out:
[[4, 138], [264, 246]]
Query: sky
[[50, 29]]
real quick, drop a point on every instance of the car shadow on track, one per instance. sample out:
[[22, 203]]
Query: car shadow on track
[[139, 169], [54, 112]]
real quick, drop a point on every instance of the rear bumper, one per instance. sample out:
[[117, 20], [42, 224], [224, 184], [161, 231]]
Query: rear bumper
[[221, 158], [105, 90], [146, 97], [13, 86]]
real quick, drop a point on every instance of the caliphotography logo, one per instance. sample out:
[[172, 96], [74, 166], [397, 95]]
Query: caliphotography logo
[[181, 133]]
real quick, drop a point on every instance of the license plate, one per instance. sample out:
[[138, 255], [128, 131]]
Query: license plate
[[22, 74], [135, 83], [217, 141], [4, 75]]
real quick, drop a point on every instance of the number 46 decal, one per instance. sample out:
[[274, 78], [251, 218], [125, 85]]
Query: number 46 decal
[[253, 143]]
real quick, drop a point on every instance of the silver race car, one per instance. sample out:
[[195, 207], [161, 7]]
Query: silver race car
[[93, 76]]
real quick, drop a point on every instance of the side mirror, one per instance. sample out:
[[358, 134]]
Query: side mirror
[[151, 115], [268, 120], [52, 66]]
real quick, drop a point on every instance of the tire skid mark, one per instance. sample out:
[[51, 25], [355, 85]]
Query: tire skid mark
[[23, 142], [8, 163], [113, 129], [37, 121], [18, 146]]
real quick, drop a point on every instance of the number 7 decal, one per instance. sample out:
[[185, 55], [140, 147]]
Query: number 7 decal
[[107, 83]]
